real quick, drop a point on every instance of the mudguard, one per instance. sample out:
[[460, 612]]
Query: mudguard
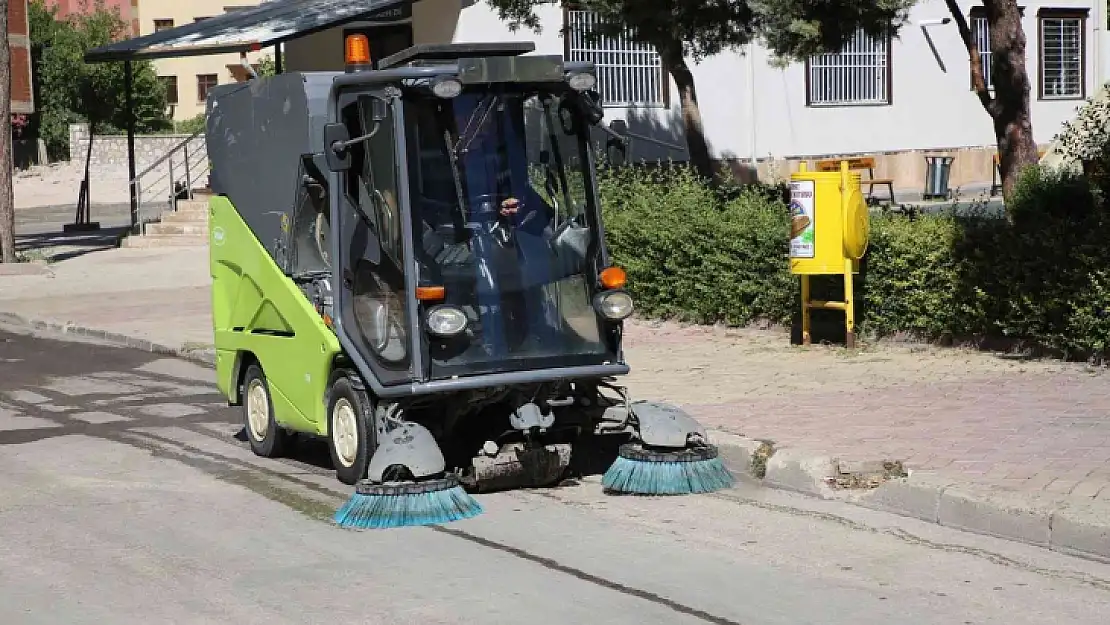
[[410, 445], [664, 425]]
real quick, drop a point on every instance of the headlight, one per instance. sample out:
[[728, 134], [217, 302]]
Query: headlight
[[446, 87], [613, 305], [445, 321], [581, 81]]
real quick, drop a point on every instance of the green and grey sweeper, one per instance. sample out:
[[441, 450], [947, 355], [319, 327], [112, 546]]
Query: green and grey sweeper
[[409, 262]]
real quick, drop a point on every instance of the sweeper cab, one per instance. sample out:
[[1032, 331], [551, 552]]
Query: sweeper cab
[[409, 261]]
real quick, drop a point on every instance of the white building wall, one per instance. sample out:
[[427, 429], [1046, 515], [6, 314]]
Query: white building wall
[[751, 109]]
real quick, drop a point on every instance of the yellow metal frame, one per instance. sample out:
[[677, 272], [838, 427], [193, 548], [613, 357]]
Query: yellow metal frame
[[853, 230], [848, 306]]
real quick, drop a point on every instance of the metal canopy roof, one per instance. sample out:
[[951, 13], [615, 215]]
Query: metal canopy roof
[[242, 30]]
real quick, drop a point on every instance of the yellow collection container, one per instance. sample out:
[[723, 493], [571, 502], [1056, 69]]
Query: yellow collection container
[[829, 230], [827, 226]]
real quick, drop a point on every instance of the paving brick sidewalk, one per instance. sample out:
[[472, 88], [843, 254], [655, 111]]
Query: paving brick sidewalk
[[1030, 426]]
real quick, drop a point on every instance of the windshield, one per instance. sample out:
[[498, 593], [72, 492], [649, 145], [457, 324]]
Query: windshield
[[502, 220]]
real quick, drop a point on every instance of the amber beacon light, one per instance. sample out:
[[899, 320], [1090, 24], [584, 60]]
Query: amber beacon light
[[356, 52]]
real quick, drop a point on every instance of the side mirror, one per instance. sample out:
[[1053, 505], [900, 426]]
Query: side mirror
[[335, 150], [592, 107]]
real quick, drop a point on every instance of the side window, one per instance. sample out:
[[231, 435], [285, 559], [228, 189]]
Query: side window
[[555, 158], [378, 285], [311, 248], [381, 171]]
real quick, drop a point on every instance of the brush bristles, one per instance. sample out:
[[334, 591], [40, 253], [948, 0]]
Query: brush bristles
[[386, 511], [666, 478]]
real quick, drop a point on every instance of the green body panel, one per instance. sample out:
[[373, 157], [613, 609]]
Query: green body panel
[[256, 308]]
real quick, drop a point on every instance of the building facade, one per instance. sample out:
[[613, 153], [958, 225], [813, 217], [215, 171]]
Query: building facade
[[19, 42], [127, 9], [188, 79], [895, 98]]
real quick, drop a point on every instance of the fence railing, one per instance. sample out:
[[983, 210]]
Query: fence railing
[[170, 178]]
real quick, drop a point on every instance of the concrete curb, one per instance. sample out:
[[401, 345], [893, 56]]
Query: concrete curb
[[1070, 525], [203, 357]]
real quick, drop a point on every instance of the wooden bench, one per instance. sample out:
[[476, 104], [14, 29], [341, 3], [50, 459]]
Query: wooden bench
[[996, 172], [858, 164]]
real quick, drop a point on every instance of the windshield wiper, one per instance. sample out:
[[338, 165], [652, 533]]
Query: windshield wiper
[[466, 137], [456, 175], [559, 168]]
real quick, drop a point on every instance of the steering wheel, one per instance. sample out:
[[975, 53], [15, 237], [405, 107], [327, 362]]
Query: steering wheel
[[493, 199]]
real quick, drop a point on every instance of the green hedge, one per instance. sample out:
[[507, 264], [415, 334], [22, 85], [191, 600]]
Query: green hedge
[[1041, 277]]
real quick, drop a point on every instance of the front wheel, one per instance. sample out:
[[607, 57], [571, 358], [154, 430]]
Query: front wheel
[[266, 437], [350, 431]]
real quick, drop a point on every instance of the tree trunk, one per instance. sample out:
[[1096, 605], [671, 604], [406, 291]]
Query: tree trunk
[[1012, 125], [696, 145], [1009, 106], [7, 199]]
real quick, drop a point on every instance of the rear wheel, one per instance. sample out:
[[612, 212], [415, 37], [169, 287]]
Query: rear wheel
[[266, 438], [350, 431]]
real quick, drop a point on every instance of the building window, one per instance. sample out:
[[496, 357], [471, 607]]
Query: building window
[[162, 24], [205, 83], [170, 83], [201, 19], [1062, 59], [858, 74], [981, 32], [629, 73]]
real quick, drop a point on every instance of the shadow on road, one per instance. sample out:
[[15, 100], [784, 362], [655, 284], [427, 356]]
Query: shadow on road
[[60, 245]]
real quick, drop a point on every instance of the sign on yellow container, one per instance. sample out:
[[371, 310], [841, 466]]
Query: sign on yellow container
[[829, 228], [828, 225]]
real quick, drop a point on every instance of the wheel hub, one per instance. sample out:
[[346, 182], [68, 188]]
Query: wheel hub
[[258, 410], [345, 432]]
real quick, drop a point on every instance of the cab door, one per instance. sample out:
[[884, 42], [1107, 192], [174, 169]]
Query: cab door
[[375, 310]]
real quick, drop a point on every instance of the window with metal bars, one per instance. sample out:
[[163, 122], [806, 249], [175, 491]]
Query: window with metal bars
[[980, 31], [629, 73], [1062, 54], [859, 74]]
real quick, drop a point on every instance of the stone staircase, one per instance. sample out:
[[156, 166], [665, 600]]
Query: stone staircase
[[185, 227], [166, 185]]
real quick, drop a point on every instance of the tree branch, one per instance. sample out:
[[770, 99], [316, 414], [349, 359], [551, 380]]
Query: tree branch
[[978, 83]]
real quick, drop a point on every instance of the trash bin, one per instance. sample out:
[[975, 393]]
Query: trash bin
[[937, 169]]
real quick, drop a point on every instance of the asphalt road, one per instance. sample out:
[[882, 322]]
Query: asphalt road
[[125, 497]]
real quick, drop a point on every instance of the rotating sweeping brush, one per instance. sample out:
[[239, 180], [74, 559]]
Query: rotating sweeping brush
[[642, 471], [406, 504]]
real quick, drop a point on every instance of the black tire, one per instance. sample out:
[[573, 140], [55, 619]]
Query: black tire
[[350, 457], [270, 442]]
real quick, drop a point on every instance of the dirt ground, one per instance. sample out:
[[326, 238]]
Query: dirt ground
[[59, 184]]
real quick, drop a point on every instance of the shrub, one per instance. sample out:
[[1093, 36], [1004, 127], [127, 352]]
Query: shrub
[[720, 256], [693, 258]]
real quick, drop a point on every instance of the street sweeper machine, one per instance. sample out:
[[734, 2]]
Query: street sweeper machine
[[409, 262]]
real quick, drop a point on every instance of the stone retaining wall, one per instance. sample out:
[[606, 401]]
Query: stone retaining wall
[[111, 150]]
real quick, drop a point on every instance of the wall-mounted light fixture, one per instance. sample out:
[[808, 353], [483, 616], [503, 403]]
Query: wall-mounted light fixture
[[936, 21]]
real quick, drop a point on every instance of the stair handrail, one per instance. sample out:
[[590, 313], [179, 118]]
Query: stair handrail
[[136, 185], [165, 157]]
